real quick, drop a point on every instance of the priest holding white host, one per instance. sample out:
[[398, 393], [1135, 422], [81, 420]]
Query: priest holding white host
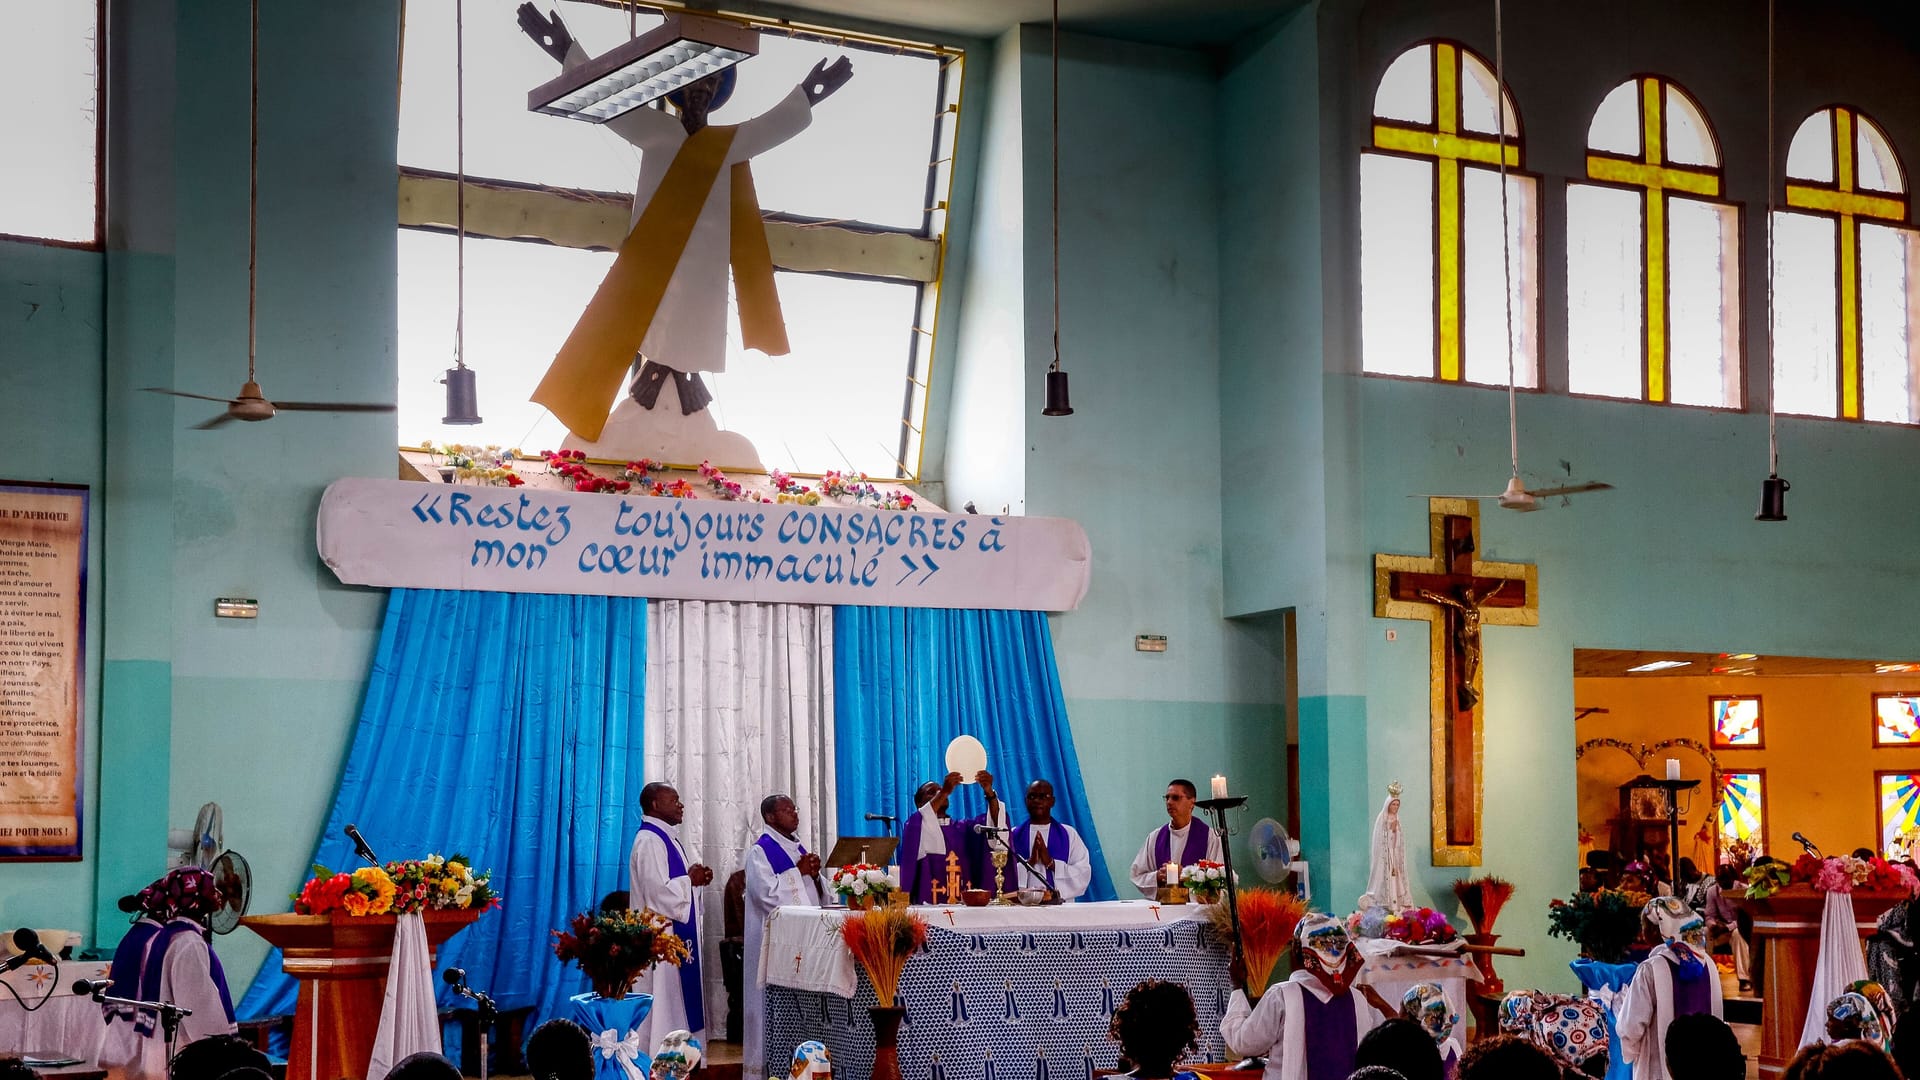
[[930, 836], [1182, 841], [780, 872], [663, 880]]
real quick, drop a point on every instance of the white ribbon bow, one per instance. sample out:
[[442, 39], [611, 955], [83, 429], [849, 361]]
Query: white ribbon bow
[[627, 1050]]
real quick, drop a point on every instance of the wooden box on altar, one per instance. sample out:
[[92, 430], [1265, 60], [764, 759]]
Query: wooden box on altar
[[1786, 944], [341, 962]]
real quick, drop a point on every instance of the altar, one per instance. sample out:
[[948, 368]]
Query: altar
[[54, 1021], [1001, 993]]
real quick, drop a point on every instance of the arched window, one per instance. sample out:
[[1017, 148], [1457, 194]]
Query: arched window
[[1844, 267], [1653, 255], [1430, 252]]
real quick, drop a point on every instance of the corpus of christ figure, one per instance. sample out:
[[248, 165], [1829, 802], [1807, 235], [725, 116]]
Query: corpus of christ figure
[[1456, 594]]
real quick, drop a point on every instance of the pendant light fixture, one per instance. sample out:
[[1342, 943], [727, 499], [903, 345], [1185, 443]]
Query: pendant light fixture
[[1773, 490], [684, 49], [463, 404], [1058, 403]]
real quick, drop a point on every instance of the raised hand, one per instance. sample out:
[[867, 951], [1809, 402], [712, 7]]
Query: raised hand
[[809, 865], [985, 780], [825, 78], [952, 781], [547, 31]]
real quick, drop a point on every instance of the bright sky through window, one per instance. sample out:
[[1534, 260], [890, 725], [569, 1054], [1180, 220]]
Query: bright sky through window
[[835, 402], [49, 82], [1430, 250]]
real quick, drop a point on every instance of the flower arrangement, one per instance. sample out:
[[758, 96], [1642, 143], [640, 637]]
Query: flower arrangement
[[614, 947], [864, 885], [479, 464], [857, 488], [1482, 898], [788, 490], [1837, 873], [1604, 922], [572, 464], [1267, 921], [724, 488], [881, 941], [435, 883], [1205, 880]]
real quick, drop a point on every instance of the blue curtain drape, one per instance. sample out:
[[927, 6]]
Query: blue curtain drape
[[906, 681], [507, 727]]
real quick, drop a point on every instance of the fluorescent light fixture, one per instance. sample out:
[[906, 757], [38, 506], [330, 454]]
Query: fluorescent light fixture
[[684, 49], [1661, 665], [1896, 668], [1739, 656]]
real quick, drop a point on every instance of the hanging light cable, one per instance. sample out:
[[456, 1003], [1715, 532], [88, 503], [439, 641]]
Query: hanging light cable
[[1516, 491], [1058, 403], [253, 194], [1773, 490], [463, 405]]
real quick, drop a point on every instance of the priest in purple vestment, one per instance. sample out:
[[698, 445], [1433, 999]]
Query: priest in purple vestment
[[930, 836], [1181, 840], [1309, 1026]]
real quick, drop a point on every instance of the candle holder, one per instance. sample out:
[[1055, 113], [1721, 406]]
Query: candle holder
[[1218, 808]]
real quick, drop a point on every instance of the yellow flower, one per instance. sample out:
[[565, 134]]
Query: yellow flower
[[355, 903], [382, 885]]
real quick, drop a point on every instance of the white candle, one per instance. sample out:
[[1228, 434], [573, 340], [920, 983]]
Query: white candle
[[1673, 768], [1172, 871], [1219, 786]]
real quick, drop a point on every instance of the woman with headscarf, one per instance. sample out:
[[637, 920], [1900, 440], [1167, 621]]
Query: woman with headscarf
[[1676, 979], [167, 956]]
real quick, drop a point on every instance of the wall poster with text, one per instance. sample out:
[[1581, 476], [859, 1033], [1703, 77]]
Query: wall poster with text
[[43, 603]]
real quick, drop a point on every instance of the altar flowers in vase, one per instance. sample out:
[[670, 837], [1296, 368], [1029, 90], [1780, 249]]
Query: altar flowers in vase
[[864, 885], [435, 883], [613, 948], [1205, 880], [882, 940]]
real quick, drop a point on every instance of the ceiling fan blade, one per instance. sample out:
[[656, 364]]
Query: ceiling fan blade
[[213, 423], [1570, 489], [332, 406], [183, 393]]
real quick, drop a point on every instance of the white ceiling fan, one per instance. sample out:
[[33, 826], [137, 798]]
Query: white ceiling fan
[[1516, 496], [250, 404]]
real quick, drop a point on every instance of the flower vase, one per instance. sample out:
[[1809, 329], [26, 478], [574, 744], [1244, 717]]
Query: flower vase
[[886, 1041], [1490, 982], [614, 1026]]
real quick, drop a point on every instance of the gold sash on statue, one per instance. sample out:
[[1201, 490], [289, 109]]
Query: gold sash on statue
[[585, 378]]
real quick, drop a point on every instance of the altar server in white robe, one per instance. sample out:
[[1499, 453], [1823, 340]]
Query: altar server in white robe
[[1181, 839], [1308, 1027], [167, 956], [1053, 847], [664, 880], [781, 872], [1678, 978]]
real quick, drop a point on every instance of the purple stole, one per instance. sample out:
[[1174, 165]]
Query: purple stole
[[140, 962], [776, 855], [1196, 849], [1691, 994], [1333, 1034], [690, 988], [1058, 846], [917, 876]]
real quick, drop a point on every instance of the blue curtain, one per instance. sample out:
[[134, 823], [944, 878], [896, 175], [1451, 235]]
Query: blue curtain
[[906, 681], [506, 727]]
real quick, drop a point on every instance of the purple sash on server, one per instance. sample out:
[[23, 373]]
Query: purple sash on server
[[777, 856], [691, 994], [1058, 847], [1196, 849], [1333, 1035], [140, 963], [1691, 994]]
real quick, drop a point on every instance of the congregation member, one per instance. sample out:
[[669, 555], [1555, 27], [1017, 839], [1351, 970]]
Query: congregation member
[[930, 836], [661, 878], [1702, 1047], [1181, 840], [781, 872], [1841, 1061], [1723, 922], [1053, 847], [1156, 1026], [1676, 979], [1426, 1004], [1508, 1057], [1403, 1047], [167, 956], [1310, 1026], [560, 1050]]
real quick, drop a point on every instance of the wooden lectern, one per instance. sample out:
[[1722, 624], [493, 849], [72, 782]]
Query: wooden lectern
[[1786, 942], [341, 962]]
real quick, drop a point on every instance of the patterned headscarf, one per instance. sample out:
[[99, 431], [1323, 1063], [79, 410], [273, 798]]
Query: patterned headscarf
[[185, 892], [1852, 1016], [1573, 1030]]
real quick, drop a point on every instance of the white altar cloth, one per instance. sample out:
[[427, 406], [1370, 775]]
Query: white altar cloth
[[802, 948], [66, 1025], [1390, 968]]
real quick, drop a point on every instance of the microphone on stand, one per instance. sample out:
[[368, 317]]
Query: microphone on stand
[[28, 942], [89, 987], [886, 818], [457, 978], [1807, 845], [360, 845], [983, 828]]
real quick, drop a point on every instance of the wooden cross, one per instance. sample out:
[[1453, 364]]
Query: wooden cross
[[1655, 174], [1450, 146], [1844, 200], [1455, 594]]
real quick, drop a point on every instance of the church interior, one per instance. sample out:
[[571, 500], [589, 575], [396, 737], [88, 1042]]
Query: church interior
[[1346, 289]]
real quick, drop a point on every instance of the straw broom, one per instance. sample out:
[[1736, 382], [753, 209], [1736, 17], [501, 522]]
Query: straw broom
[[1267, 921], [1482, 898], [881, 941]]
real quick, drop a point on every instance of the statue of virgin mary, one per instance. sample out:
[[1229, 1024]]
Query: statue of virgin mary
[[1387, 881]]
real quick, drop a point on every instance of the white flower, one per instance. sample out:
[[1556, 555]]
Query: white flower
[[859, 888], [875, 876], [1215, 873], [435, 860], [464, 896]]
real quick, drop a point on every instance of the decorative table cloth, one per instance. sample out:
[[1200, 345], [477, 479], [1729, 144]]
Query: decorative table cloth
[[67, 1026]]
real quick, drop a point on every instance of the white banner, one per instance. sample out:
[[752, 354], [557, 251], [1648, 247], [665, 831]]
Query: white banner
[[400, 533]]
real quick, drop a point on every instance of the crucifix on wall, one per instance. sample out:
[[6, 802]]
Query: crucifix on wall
[[1456, 594]]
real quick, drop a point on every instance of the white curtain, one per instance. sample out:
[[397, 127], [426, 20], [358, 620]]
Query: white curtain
[[739, 707]]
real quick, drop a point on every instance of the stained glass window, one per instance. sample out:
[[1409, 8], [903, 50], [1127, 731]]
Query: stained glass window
[[1653, 255], [1736, 723], [1845, 344], [1899, 812], [1431, 279], [1742, 813], [1896, 720]]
